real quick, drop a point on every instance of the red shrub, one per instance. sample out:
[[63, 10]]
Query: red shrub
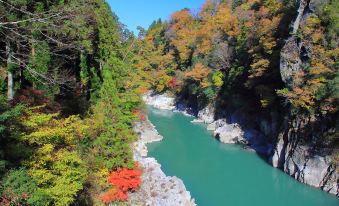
[[172, 83], [123, 180]]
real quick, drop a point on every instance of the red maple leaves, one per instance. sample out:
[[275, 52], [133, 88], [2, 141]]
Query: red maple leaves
[[123, 180], [172, 83]]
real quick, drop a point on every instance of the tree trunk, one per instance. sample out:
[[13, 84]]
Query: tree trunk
[[10, 78]]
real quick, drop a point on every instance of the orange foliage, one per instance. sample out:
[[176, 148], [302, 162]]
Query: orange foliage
[[215, 20], [184, 30], [123, 180], [140, 114], [198, 73]]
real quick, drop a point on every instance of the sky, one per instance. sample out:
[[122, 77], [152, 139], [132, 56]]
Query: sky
[[135, 13]]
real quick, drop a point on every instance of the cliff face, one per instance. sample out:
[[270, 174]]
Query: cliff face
[[305, 162]]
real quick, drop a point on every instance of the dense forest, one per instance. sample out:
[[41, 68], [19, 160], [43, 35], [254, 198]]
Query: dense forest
[[232, 54], [66, 119], [231, 47], [71, 76]]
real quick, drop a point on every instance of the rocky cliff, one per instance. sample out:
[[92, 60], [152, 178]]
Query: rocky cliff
[[307, 163]]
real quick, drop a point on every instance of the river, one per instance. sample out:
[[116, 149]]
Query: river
[[218, 174]]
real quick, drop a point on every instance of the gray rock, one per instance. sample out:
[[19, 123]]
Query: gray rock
[[207, 114], [147, 134], [313, 170], [156, 189], [230, 134], [301, 9], [278, 157], [290, 62], [304, 164], [160, 101], [211, 126]]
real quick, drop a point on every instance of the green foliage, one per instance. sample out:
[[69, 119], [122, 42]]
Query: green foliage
[[19, 182], [84, 72], [39, 63], [81, 58], [58, 173], [8, 117], [329, 15], [208, 94], [113, 142]]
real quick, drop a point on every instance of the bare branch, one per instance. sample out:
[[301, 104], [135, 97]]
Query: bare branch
[[30, 20]]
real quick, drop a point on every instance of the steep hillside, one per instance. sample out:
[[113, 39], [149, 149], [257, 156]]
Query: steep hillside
[[66, 121], [269, 66]]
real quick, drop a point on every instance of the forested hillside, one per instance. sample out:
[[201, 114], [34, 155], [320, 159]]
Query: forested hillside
[[235, 54], [65, 112], [71, 76]]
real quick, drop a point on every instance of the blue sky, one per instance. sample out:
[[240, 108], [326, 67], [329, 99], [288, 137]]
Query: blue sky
[[135, 13]]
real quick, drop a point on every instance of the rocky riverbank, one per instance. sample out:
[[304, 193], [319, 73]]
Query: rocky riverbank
[[298, 160], [156, 189], [225, 130]]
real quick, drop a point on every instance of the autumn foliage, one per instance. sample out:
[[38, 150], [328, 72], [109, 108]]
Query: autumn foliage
[[9, 198], [141, 115], [34, 97], [123, 180]]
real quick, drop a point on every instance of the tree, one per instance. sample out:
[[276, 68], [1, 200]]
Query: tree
[[183, 28]]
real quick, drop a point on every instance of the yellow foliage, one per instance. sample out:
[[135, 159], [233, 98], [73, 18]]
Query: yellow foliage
[[101, 177], [3, 73], [218, 79], [300, 98], [44, 128], [215, 20], [161, 80], [319, 68], [259, 67]]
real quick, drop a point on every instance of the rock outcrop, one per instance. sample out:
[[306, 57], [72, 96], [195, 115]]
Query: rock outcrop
[[290, 61], [291, 55], [230, 134], [160, 101], [156, 189], [206, 115], [305, 163]]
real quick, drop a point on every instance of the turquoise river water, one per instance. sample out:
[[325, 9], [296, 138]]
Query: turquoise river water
[[218, 174]]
